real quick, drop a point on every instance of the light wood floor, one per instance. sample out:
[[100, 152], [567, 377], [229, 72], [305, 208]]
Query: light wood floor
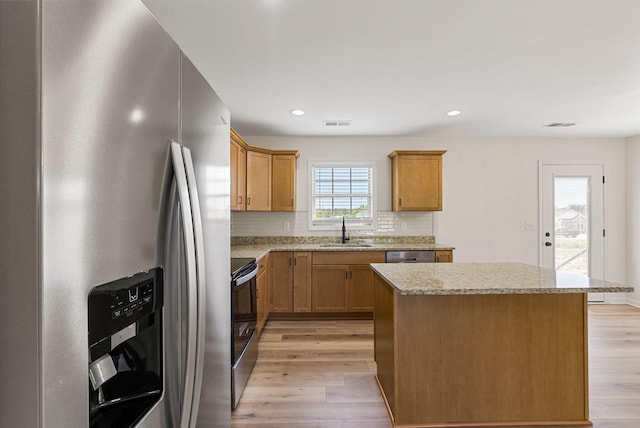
[[319, 374]]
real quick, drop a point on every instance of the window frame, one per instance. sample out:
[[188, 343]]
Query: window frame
[[334, 224]]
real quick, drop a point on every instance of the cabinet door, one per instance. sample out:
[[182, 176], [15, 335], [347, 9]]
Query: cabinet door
[[238, 163], [360, 288], [262, 286], [281, 292], [284, 183], [417, 182], [444, 256], [258, 181], [329, 285], [301, 282]]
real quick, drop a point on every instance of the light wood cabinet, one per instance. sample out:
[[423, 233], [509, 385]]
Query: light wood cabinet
[[261, 179], [238, 164], [290, 281], [416, 180], [301, 281], [283, 188], [258, 181], [330, 285], [262, 287], [343, 281], [444, 256], [434, 352], [360, 288]]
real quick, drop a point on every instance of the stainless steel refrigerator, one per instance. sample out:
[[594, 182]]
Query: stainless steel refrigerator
[[92, 93]]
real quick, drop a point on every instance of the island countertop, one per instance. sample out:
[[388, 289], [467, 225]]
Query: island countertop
[[488, 278]]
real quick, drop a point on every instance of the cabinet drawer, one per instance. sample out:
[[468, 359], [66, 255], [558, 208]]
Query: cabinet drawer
[[348, 257]]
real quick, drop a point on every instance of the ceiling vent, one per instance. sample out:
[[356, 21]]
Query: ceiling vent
[[332, 123], [560, 124]]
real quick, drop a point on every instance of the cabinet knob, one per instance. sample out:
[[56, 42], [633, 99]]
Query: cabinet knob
[[248, 201]]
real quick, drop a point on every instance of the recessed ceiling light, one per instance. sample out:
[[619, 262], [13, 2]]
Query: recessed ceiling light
[[453, 112], [297, 112]]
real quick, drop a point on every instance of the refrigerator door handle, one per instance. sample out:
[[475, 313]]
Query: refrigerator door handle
[[201, 284], [180, 177]]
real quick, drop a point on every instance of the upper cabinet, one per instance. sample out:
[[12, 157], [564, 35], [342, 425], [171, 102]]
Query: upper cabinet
[[283, 194], [258, 181], [238, 165], [262, 179], [416, 180]]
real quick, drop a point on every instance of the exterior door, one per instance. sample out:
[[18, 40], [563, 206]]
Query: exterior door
[[572, 220]]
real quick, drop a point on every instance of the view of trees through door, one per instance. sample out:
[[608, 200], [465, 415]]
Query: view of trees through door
[[571, 224]]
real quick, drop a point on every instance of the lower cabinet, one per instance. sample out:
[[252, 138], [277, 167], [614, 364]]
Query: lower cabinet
[[360, 288], [290, 289], [444, 256], [330, 285], [262, 291], [343, 281], [321, 281]]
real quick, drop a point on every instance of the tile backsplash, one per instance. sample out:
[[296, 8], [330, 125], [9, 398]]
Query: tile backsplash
[[389, 223]]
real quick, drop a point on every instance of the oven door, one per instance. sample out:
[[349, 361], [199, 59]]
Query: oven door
[[243, 312]]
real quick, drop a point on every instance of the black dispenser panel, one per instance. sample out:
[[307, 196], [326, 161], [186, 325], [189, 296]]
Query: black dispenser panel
[[125, 349]]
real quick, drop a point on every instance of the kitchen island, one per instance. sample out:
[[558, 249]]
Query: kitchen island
[[483, 344]]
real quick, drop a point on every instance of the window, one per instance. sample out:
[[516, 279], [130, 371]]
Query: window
[[341, 190]]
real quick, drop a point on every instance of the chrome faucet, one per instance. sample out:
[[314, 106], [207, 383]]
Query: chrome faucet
[[344, 232]]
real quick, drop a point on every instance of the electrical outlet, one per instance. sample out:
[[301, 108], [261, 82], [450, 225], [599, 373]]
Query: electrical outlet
[[285, 225], [528, 225], [403, 225]]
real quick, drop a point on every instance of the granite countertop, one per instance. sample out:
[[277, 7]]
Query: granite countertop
[[488, 278], [260, 250]]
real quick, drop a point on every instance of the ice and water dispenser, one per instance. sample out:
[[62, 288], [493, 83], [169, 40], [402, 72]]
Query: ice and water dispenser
[[125, 349]]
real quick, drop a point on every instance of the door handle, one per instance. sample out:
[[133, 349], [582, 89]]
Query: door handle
[[548, 244]]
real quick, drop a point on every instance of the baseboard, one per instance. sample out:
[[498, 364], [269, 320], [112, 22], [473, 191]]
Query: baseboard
[[615, 298], [633, 302]]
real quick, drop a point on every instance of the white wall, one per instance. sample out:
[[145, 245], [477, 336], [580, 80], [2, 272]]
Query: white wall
[[490, 187], [633, 220]]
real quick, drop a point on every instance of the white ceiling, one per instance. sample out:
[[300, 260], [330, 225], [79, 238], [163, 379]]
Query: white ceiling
[[396, 67]]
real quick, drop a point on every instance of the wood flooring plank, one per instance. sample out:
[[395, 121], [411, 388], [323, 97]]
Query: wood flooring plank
[[356, 389], [325, 413], [316, 355], [328, 338], [296, 379], [279, 366], [298, 394]]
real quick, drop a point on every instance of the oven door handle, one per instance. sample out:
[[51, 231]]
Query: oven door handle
[[248, 277]]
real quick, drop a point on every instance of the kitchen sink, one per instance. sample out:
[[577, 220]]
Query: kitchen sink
[[345, 245]]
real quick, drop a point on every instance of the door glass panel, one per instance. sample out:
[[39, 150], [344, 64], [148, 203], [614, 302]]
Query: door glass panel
[[571, 207]]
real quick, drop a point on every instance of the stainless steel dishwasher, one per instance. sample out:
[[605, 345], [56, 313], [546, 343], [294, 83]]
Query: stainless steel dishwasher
[[411, 256]]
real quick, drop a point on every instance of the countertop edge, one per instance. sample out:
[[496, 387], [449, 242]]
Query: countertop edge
[[260, 250], [426, 290]]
